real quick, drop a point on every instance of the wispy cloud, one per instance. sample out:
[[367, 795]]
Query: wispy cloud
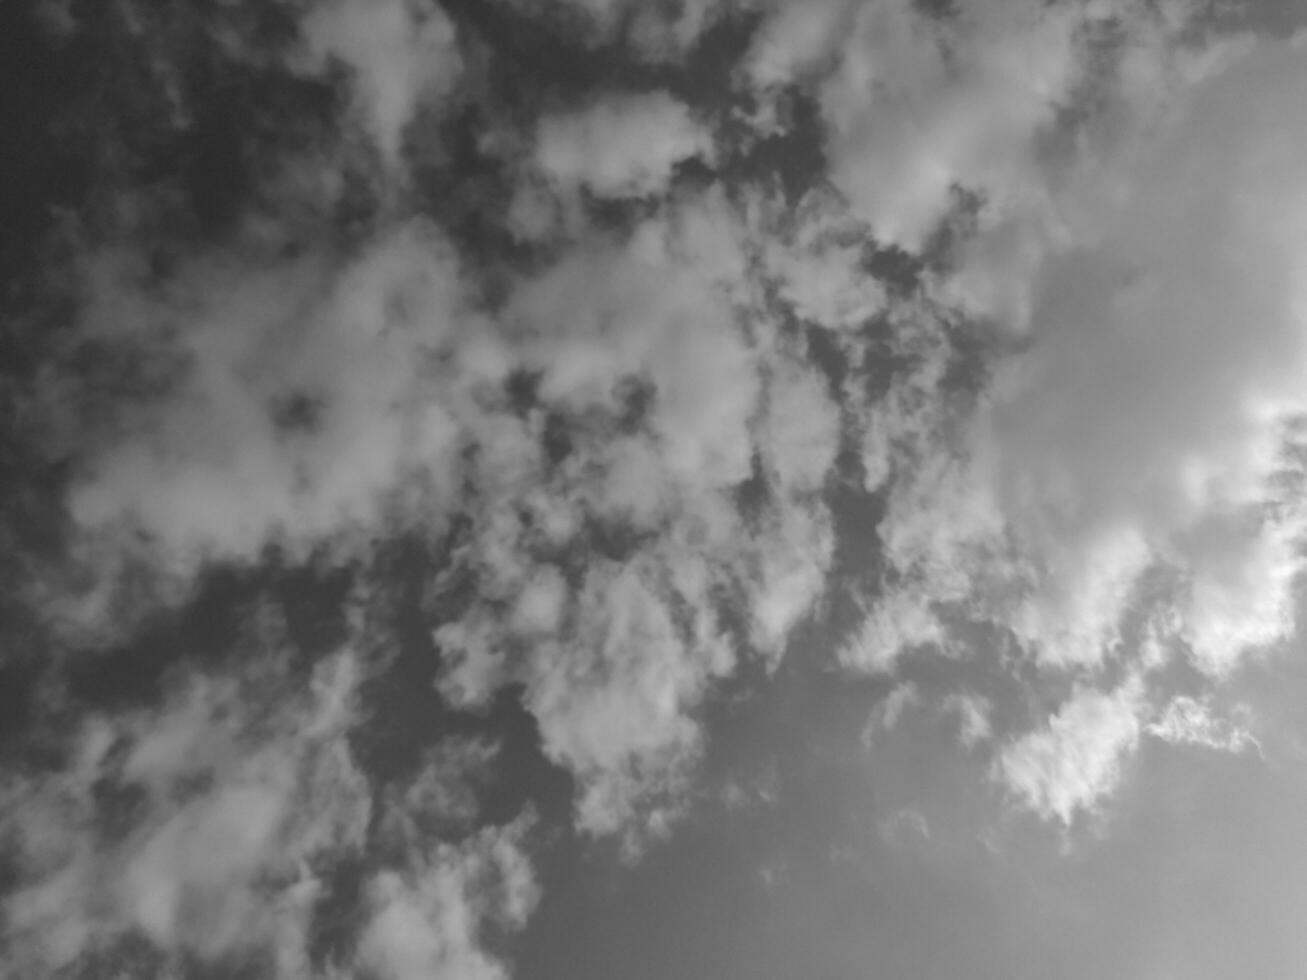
[[1187, 721]]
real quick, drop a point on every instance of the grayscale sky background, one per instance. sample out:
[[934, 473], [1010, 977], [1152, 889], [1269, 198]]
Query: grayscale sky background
[[715, 489]]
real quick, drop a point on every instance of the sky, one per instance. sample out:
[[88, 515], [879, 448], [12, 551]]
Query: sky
[[771, 489]]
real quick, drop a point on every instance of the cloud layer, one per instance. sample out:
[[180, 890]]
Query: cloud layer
[[1011, 381]]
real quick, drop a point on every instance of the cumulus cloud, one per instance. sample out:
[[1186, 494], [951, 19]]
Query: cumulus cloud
[[296, 409], [920, 105], [1145, 423], [816, 256], [1136, 437], [621, 414], [898, 622], [793, 39], [427, 919], [196, 826], [1074, 761], [325, 401], [210, 826], [622, 146], [402, 54]]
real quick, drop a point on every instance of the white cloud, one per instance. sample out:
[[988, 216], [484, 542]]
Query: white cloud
[[1133, 458], [1068, 766], [221, 811], [402, 53], [972, 712], [898, 621], [625, 146], [794, 39], [920, 104], [890, 711], [207, 471], [329, 401], [943, 537], [1072, 615], [815, 252], [1136, 436], [611, 703], [787, 565], [443, 795], [426, 920], [802, 427], [1188, 721], [614, 666], [1145, 411]]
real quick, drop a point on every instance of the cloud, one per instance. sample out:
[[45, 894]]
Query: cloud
[[919, 105], [898, 622], [614, 712], [973, 716], [300, 406], [196, 826], [210, 827], [1074, 761], [402, 54], [653, 32], [427, 919], [1135, 453], [331, 399], [1144, 412], [904, 828], [621, 146], [621, 413], [815, 253], [1187, 721], [614, 664], [443, 800], [793, 40], [802, 427], [943, 539]]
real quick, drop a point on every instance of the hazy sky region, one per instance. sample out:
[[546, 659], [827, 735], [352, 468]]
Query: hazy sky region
[[653, 489]]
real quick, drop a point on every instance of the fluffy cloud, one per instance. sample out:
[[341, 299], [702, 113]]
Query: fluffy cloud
[[1076, 415], [402, 54], [427, 919], [210, 826], [920, 105], [298, 406], [816, 255], [614, 666], [620, 146], [1076, 760], [196, 826], [1145, 413], [1137, 437], [614, 711], [324, 403]]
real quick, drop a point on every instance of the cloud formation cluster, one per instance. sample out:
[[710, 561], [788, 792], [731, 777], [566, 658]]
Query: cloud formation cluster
[[622, 403], [209, 828]]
